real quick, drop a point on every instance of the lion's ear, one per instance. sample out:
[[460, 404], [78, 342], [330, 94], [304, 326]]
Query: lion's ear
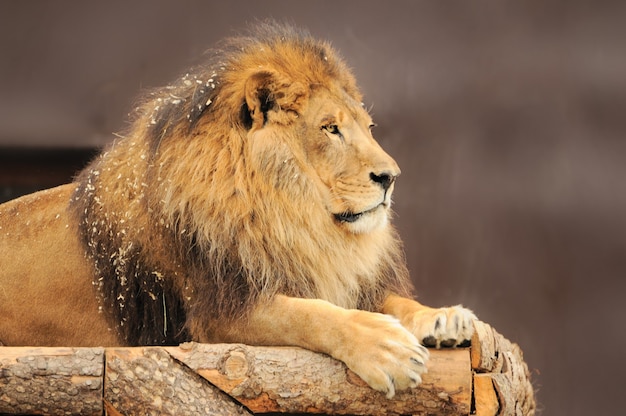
[[266, 91], [258, 97]]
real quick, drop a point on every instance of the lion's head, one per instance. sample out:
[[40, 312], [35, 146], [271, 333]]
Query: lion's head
[[334, 150], [253, 174]]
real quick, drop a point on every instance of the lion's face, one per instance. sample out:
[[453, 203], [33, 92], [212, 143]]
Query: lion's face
[[335, 149], [355, 172]]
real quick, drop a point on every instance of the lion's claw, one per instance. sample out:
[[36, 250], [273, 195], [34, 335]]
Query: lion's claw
[[443, 327]]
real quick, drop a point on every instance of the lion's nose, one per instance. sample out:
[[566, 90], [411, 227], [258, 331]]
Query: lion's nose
[[384, 179]]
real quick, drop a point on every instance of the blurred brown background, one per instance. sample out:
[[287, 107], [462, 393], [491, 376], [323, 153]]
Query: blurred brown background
[[507, 118]]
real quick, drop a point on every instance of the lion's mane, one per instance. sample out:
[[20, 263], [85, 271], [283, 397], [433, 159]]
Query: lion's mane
[[186, 234]]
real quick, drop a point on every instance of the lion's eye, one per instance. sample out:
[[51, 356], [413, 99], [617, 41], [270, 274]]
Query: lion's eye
[[333, 129], [371, 126]]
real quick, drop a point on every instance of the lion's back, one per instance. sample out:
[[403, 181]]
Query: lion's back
[[46, 293]]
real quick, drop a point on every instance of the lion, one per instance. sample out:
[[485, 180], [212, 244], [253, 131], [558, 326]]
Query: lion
[[247, 202]]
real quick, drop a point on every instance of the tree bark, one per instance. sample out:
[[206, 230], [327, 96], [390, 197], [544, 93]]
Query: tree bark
[[51, 381], [148, 381]]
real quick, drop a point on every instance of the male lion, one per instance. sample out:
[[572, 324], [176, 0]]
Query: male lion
[[248, 202]]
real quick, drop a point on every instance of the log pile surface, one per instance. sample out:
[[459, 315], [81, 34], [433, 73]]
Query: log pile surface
[[489, 378]]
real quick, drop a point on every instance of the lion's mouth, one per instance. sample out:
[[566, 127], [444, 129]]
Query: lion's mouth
[[351, 217], [348, 216]]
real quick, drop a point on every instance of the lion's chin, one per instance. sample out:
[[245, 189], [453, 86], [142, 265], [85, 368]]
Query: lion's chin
[[364, 222]]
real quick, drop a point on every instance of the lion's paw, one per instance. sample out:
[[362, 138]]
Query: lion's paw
[[443, 327], [384, 353]]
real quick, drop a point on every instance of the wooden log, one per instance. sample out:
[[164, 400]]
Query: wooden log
[[485, 398], [484, 352], [504, 386], [51, 381], [489, 379], [148, 381], [294, 380]]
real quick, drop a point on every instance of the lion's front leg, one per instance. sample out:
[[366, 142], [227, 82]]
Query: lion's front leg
[[434, 327], [375, 346]]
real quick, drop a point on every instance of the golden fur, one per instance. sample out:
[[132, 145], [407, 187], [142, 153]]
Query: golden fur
[[248, 202]]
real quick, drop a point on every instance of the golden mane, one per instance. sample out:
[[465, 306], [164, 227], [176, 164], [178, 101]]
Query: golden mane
[[188, 221]]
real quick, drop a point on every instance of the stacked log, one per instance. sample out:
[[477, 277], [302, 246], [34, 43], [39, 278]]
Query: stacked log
[[502, 383]]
